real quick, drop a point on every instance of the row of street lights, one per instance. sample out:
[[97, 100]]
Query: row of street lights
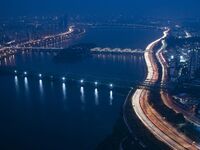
[[82, 81]]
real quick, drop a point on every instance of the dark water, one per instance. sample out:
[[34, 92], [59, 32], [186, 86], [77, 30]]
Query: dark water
[[52, 114], [117, 37], [37, 113], [98, 66]]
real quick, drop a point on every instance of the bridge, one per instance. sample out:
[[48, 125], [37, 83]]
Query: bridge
[[32, 48], [147, 84], [7, 51], [116, 50], [55, 43], [52, 43]]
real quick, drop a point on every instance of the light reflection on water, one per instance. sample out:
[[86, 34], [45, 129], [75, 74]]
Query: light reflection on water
[[82, 94], [26, 85], [106, 65], [41, 88], [64, 91], [17, 84], [96, 95], [111, 97], [42, 64]]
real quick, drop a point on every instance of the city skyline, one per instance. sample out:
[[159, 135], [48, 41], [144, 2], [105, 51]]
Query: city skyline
[[100, 75]]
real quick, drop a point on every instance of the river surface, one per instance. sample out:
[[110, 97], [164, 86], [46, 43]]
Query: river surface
[[38, 113]]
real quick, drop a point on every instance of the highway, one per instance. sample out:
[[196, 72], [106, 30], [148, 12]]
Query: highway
[[48, 42], [167, 98], [156, 124]]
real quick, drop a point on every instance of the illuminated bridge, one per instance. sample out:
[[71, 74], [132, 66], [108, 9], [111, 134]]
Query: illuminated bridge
[[6, 51], [147, 84], [45, 44], [116, 50]]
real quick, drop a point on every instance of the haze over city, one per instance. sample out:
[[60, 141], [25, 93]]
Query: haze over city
[[100, 75], [153, 8]]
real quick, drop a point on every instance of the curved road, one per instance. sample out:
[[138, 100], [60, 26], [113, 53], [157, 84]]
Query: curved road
[[166, 98], [156, 124]]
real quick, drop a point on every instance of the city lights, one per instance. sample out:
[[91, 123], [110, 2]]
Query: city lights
[[40, 75], [81, 80], [25, 73], [111, 85]]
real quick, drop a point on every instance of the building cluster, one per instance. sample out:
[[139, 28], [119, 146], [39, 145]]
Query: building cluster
[[30, 28], [184, 58], [187, 102], [183, 55]]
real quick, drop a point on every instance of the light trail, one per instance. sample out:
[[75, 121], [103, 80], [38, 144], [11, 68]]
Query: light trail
[[52, 42], [158, 126], [166, 98]]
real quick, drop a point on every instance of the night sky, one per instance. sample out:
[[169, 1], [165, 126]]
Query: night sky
[[154, 8]]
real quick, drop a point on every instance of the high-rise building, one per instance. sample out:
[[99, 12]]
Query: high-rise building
[[194, 62]]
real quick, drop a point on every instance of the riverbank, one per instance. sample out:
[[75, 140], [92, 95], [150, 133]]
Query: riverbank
[[152, 120], [96, 108]]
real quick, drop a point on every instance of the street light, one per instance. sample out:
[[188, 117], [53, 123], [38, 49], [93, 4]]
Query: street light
[[111, 85], [82, 81], [63, 78], [40, 75]]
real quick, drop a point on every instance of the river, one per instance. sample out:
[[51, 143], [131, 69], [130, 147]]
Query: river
[[38, 113]]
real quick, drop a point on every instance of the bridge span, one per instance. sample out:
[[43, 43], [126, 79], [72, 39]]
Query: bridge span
[[6, 51], [34, 48], [46, 44], [116, 50]]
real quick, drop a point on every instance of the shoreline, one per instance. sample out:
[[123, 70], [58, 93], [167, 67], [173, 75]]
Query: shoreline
[[158, 126], [165, 96]]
